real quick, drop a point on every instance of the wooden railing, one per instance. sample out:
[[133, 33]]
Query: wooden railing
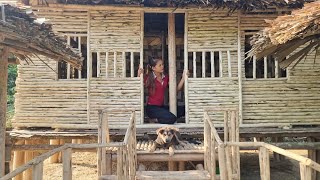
[[229, 156], [228, 151], [126, 156]]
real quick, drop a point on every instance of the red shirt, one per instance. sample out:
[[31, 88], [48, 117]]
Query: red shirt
[[157, 97]]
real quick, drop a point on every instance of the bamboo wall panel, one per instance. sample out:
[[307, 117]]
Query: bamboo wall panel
[[255, 21], [295, 100], [65, 20], [48, 102], [115, 94], [212, 30], [115, 30], [211, 92]]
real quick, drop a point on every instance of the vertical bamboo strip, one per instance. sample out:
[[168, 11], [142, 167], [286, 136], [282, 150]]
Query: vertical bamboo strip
[[222, 162], [107, 63], [99, 150], [68, 64], [194, 64], [79, 48], [228, 162], [206, 146], [220, 64], [98, 64], [37, 170], [212, 63], [124, 64], [229, 64], [225, 126], [212, 156], [132, 63], [264, 163], [203, 64], [115, 64], [254, 69], [265, 66], [276, 69], [141, 66]]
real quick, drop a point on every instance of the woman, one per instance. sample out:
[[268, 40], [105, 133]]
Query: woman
[[156, 82]]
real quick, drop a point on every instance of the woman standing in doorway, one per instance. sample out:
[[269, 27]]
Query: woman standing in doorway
[[156, 82]]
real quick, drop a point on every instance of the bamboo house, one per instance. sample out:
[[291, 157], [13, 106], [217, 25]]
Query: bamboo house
[[211, 39]]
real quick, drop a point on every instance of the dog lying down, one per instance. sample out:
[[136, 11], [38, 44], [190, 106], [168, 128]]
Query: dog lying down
[[168, 137]]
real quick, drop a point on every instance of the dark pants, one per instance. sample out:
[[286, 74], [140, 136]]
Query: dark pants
[[163, 114]]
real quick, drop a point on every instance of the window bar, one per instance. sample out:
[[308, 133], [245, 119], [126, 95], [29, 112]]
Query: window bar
[[98, 64], [3, 13], [265, 67], [131, 64], [124, 64], [194, 64], [115, 64], [212, 63], [107, 64], [203, 64], [254, 69], [276, 71], [220, 63], [68, 64], [229, 64], [79, 48]]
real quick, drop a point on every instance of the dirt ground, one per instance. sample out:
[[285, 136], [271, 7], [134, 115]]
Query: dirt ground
[[84, 167]]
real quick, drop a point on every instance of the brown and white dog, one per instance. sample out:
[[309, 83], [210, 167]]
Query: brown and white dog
[[168, 137]]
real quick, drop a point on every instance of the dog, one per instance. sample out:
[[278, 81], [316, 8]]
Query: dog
[[168, 137]]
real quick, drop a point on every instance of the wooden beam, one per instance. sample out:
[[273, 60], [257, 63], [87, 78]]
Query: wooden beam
[[3, 107], [172, 63]]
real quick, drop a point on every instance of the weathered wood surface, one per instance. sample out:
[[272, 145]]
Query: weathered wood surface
[[157, 175]]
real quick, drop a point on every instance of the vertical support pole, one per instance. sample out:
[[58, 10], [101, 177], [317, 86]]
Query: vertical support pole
[[115, 64], [229, 64], [79, 48], [186, 67], [38, 171], [305, 172], [172, 166], [3, 14], [141, 66], [276, 68], [240, 62], [67, 164], [68, 64], [18, 160], [220, 64], [98, 64], [124, 69], [222, 162], [172, 63], [265, 67], [28, 156], [194, 64], [203, 64], [254, 69], [54, 158], [132, 64], [182, 165], [212, 63], [89, 67], [107, 63], [3, 107], [264, 162]]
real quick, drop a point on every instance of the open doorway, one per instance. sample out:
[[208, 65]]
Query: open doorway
[[156, 45]]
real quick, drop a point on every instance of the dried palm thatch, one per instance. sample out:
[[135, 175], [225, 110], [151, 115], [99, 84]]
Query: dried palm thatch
[[24, 38], [287, 33], [231, 4]]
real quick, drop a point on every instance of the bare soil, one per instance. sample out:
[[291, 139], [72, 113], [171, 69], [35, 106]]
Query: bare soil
[[84, 167]]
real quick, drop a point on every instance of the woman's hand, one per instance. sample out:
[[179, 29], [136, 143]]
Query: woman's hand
[[185, 74], [140, 71]]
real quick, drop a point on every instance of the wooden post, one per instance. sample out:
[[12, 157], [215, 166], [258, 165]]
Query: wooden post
[[182, 165], [67, 164], [18, 160], [172, 63], [305, 172], [3, 107], [222, 162], [37, 171], [28, 156], [54, 158], [172, 166], [264, 163]]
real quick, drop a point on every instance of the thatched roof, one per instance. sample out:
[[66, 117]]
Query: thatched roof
[[287, 33], [24, 38], [231, 4]]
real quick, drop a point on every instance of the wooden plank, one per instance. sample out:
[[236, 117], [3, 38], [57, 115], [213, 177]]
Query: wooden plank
[[186, 67], [194, 55], [67, 164], [264, 163], [265, 67], [172, 63], [37, 171], [3, 107]]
